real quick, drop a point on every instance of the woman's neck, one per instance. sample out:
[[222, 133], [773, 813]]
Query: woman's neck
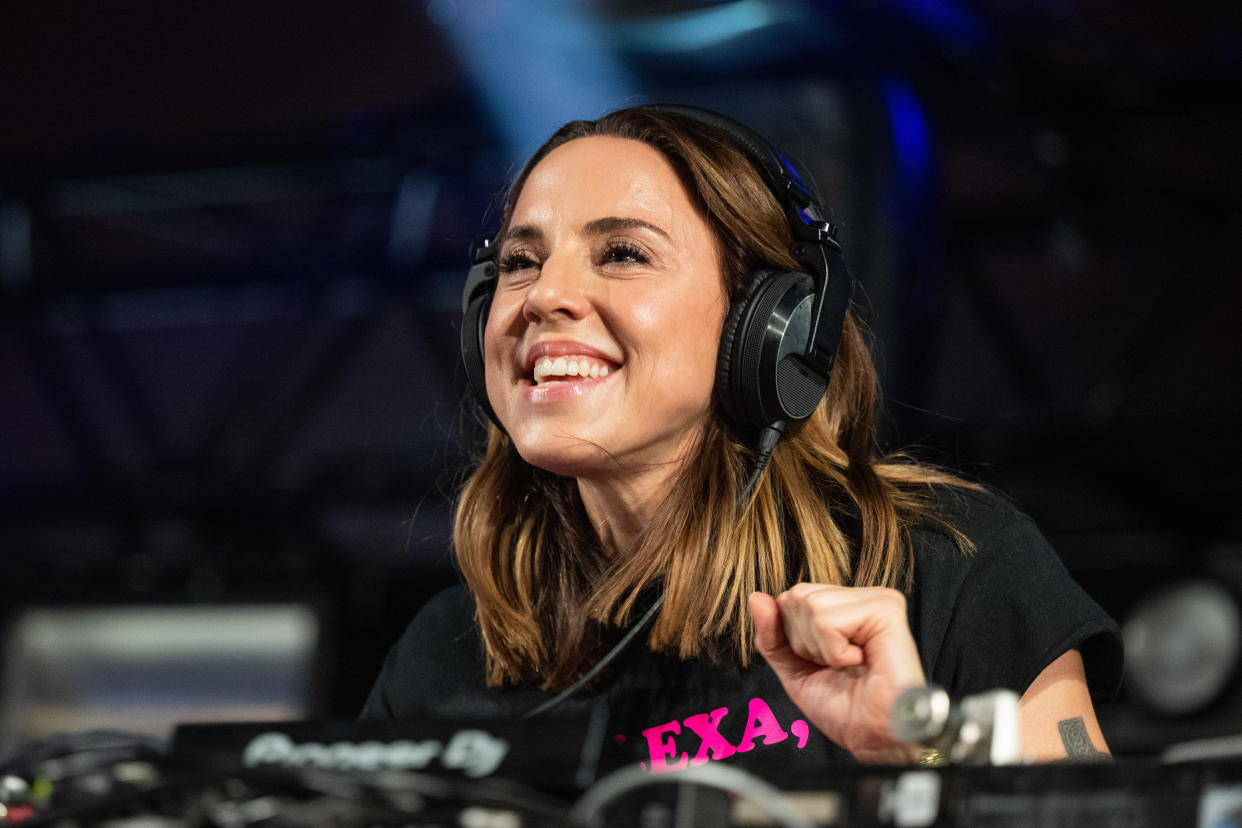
[[620, 510]]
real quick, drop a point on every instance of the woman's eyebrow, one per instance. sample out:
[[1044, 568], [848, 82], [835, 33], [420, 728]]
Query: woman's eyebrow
[[611, 224], [526, 232]]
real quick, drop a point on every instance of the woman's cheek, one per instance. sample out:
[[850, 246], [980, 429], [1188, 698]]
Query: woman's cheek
[[497, 359], [644, 314]]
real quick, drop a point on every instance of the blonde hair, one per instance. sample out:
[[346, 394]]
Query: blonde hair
[[828, 509]]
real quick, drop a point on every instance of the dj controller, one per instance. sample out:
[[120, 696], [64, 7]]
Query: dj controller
[[471, 774]]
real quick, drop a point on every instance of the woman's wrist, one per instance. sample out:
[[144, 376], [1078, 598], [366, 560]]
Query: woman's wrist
[[899, 753]]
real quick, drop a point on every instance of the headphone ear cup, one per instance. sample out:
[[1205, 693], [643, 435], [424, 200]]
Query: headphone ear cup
[[473, 323], [760, 377], [727, 382]]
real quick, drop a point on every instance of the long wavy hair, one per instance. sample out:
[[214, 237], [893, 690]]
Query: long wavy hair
[[829, 508]]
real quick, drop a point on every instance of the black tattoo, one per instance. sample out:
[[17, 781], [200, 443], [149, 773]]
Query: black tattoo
[[1078, 747]]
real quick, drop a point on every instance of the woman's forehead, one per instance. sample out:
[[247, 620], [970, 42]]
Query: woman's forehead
[[603, 175]]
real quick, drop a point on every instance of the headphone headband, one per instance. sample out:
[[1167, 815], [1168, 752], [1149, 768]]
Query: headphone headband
[[815, 245]]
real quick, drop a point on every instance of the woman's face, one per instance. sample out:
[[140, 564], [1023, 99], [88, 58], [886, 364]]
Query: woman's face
[[602, 337]]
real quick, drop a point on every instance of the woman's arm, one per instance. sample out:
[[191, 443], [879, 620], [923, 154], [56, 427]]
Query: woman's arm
[[1058, 718], [843, 654]]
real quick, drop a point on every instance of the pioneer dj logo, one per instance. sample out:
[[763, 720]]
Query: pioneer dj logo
[[472, 752]]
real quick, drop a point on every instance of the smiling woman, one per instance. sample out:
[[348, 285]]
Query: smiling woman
[[606, 261], [663, 301]]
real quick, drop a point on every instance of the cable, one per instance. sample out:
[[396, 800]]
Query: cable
[[602, 663], [105, 743], [768, 438], [587, 812]]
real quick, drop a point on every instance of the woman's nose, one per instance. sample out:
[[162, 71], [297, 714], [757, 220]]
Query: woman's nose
[[560, 290]]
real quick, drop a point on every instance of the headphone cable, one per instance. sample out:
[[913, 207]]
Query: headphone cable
[[768, 438], [608, 658]]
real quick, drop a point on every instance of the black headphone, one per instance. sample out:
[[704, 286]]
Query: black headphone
[[779, 342]]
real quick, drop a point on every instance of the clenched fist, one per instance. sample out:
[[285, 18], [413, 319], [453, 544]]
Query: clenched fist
[[843, 655]]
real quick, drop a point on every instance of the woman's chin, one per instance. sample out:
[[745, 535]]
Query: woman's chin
[[570, 458]]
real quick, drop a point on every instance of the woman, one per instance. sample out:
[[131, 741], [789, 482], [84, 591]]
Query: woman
[[617, 484]]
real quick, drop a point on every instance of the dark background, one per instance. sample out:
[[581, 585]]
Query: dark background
[[232, 239]]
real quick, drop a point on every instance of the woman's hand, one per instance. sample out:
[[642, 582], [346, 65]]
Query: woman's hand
[[843, 655]]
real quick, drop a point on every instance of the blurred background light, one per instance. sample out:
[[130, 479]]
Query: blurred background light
[[553, 46], [911, 138], [954, 24], [143, 669], [699, 28], [1182, 646]]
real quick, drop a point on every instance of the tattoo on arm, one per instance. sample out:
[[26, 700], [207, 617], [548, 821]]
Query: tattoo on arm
[[1078, 747]]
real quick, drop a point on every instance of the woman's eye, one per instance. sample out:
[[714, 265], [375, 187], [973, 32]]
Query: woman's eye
[[516, 261], [624, 254]]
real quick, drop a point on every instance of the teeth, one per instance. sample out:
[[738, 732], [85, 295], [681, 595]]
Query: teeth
[[550, 368]]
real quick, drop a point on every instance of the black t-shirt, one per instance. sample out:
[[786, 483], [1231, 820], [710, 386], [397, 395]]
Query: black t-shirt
[[992, 619]]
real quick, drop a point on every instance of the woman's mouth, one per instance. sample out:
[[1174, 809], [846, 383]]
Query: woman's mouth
[[569, 368]]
